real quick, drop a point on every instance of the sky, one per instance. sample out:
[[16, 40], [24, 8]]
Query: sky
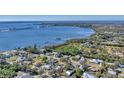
[[61, 17]]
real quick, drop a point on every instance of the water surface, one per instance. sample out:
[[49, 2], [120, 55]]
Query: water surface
[[14, 35]]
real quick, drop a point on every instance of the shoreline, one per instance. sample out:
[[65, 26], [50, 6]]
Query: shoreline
[[67, 41]]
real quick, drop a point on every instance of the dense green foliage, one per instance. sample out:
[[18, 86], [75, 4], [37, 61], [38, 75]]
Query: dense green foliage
[[69, 50], [8, 71]]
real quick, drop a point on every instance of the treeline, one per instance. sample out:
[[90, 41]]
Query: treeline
[[117, 45]]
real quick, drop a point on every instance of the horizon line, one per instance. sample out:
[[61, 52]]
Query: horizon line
[[56, 20]]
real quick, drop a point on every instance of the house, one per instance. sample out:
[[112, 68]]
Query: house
[[2, 60], [23, 75], [97, 61], [112, 72], [46, 66], [121, 66], [7, 55], [69, 72], [14, 52], [77, 57], [20, 59], [87, 75], [81, 60]]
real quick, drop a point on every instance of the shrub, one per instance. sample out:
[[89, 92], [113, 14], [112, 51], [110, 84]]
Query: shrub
[[34, 72], [69, 50], [8, 71], [78, 73], [40, 59], [31, 49]]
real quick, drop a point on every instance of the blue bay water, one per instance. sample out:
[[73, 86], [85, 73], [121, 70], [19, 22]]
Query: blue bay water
[[14, 35]]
